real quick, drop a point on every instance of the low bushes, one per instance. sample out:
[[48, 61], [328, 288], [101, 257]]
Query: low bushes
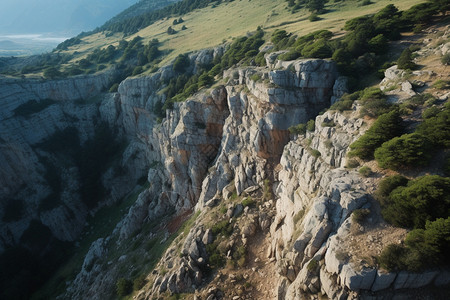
[[385, 127], [424, 248], [422, 200], [124, 287], [405, 151]]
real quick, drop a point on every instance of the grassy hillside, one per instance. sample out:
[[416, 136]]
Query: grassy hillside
[[213, 25]]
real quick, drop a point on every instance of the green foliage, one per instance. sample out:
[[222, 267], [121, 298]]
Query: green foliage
[[430, 112], [216, 259], [424, 249], [405, 60], [360, 215], [316, 5], [313, 17], [113, 88], [31, 107], [123, 287], [391, 257], [445, 59], [378, 44], [405, 151], [385, 127], [387, 185], [315, 153], [222, 228], [52, 72], [139, 282], [437, 128], [424, 199], [374, 102], [328, 123], [256, 77], [69, 43], [345, 102], [181, 63], [205, 80], [365, 171], [312, 265], [418, 14], [441, 84], [290, 55], [243, 48], [298, 129], [311, 125], [248, 201], [352, 163]]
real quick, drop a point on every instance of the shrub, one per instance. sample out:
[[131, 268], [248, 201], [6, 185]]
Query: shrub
[[248, 202], [441, 84], [139, 282], [311, 125], [315, 153], [422, 200], [405, 151], [352, 163], [430, 112], [291, 55], [313, 17], [346, 102], [52, 72], [224, 227], [329, 123], [256, 77], [445, 59], [424, 248], [312, 265], [374, 102], [181, 63], [298, 129], [437, 128], [385, 127], [359, 215], [387, 185], [365, 171], [123, 287], [405, 60], [391, 258]]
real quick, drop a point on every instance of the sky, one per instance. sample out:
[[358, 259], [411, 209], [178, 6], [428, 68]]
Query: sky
[[57, 17]]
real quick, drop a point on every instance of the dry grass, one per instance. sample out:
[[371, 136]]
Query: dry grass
[[210, 26]]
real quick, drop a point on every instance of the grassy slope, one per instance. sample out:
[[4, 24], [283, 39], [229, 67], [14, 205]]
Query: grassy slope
[[210, 26]]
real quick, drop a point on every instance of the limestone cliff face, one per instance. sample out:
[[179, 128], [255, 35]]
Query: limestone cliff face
[[228, 137], [31, 112]]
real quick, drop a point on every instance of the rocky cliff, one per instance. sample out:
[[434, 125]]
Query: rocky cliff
[[276, 204], [42, 125]]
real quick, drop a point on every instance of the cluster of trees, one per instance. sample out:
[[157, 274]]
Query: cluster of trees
[[130, 57], [361, 50], [424, 205], [394, 150], [386, 127]]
